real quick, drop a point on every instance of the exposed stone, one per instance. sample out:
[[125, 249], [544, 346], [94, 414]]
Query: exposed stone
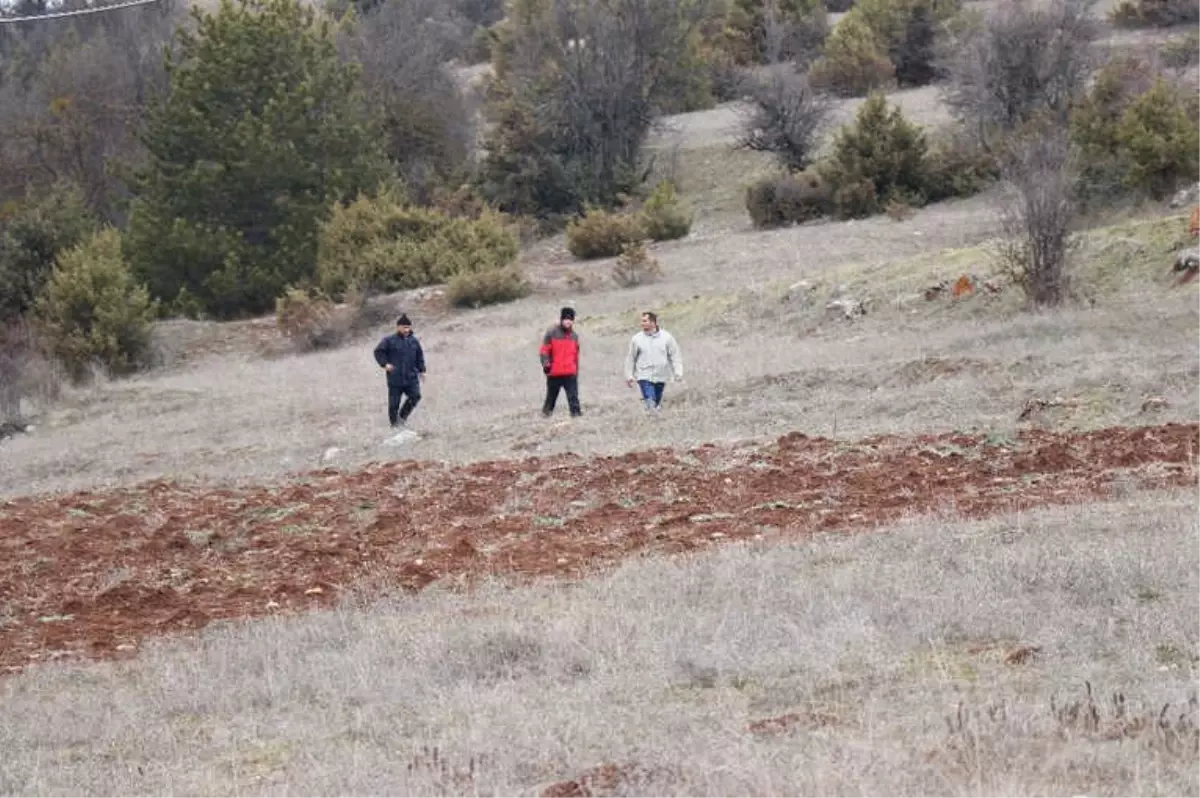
[[847, 308], [1186, 196]]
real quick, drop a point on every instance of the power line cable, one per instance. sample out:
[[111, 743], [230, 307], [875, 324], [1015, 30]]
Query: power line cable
[[79, 12]]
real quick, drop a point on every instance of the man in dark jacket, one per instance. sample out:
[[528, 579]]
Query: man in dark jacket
[[401, 357], [560, 363]]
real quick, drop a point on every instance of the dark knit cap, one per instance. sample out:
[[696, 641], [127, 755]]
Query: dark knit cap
[[403, 321], [567, 313]]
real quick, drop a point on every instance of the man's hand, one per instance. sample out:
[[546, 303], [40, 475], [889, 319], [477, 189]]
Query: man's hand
[[629, 383], [389, 368], [422, 376]]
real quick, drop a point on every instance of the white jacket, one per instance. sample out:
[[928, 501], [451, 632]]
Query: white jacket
[[654, 357]]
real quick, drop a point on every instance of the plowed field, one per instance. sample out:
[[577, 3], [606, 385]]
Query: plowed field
[[95, 573]]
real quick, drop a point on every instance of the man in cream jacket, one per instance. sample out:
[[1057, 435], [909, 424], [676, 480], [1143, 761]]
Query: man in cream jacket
[[653, 359]]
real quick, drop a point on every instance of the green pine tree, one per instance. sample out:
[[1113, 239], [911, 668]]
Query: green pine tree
[[262, 130]]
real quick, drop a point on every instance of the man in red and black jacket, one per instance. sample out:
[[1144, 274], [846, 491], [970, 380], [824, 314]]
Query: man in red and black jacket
[[560, 363]]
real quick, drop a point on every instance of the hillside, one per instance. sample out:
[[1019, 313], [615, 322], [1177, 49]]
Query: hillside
[[885, 537]]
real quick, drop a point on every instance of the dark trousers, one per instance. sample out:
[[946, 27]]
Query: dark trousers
[[652, 392], [411, 394], [554, 385]]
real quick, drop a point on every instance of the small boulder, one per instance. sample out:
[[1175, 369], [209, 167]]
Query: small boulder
[[1186, 196], [404, 437], [330, 454], [10, 428], [798, 291], [1187, 260], [846, 307], [1154, 403]]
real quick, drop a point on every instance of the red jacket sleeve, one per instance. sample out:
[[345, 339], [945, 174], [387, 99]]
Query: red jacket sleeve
[[544, 352]]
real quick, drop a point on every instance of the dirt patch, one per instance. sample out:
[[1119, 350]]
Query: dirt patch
[[602, 780], [188, 555]]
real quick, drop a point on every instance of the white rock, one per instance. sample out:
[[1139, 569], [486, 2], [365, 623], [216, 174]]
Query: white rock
[[1185, 196], [402, 438], [330, 454], [798, 290], [848, 308]]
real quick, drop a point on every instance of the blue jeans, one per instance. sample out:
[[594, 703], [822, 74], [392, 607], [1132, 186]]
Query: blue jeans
[[652, 393]]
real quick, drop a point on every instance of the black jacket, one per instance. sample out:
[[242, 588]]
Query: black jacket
[[405, 354]]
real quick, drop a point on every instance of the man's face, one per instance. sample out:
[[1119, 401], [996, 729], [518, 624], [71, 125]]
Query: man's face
[[403, 329], [647, 324], [567, 324]]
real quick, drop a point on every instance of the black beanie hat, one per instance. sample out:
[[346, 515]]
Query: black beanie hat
[[403, 321], [567, 313]]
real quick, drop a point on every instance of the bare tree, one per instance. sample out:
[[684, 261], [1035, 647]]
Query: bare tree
[[26, 373], [1024, 58], [403, 46], [1040, 171], [786, 116], [576, 91], [74, 109]]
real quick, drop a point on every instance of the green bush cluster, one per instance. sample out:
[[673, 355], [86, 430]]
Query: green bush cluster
[[383, 244], [881, 161], [1136, 132], [879, 42], [491, 287], [93, 311], [605, 234]]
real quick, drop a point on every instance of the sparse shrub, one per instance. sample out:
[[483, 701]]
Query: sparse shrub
[[786, 118], [775, 31], [32, 234], [790, 199], [380, 244], [311, 322], [491, 287], [838, 6], [601, 234], [1182, 52], [898, 210], [93, 311], [576, 282], [664, 217], [957, 166], [878, 159], [636, 266], [1038, 211], [1154, 13], [26, 370]]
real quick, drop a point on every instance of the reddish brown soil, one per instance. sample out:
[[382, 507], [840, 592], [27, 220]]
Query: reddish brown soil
[[94, 573]]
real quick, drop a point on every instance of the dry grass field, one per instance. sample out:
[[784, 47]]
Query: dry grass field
[[937, 657], [949, 546]]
